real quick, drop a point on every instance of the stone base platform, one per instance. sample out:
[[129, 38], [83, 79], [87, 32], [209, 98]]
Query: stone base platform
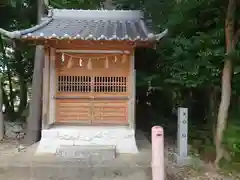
[[26, 165], [121, 139]]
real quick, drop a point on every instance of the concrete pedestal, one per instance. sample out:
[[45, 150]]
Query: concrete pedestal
[[182, 161], [122, 138]]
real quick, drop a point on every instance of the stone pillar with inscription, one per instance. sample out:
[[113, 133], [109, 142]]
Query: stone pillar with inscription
[[182, 137]]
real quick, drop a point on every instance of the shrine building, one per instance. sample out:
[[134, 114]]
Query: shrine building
[[89, 76]]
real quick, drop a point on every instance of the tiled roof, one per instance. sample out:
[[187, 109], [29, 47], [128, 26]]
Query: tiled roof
[[91, 25]]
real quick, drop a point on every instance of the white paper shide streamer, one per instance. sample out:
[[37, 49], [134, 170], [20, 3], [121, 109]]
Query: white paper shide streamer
[[106, 60], [80, 62], [62, 58]]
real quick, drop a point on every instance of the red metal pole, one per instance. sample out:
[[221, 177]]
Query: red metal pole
[[158, 153]]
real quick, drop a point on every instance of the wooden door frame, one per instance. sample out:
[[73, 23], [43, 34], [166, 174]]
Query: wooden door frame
[[52, 87], [90, 95]]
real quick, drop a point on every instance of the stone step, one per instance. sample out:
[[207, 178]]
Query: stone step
[[91, 152]]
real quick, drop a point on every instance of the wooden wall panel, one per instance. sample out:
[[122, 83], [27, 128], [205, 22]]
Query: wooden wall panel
[[97, 93], [73, 110], [92, 111], [110, 112]]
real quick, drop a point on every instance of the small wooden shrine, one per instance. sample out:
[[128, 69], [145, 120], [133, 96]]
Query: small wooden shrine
[[89, 75]]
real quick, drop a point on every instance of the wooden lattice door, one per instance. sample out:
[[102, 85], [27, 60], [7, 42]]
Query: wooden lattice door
[[93, 95]]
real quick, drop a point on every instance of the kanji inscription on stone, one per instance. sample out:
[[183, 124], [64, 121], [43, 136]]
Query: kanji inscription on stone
[[182, 138]]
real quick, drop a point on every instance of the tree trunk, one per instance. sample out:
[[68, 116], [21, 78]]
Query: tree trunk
[[23, 95], [212, 111], [11, 96], [1, 113], [22, 81], [5, 102], [226, 83], [9, 101], [35, 109]]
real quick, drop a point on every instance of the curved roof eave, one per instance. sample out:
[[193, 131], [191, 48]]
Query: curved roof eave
[[17, 34], [161, 35]]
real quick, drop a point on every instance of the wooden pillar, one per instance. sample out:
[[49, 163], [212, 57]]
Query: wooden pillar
[[134, 98], [133, 92], [45, 104], [52, 88]]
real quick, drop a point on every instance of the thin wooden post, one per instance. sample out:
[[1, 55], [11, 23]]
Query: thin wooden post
[[132, 78], [52, 87], [158, 153], [45, 105]]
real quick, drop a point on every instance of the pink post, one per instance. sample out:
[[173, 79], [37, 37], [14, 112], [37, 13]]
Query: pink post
[[157, 153]]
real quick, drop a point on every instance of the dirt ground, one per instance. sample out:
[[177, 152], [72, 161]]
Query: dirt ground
[[8, 148], [197, 170]]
